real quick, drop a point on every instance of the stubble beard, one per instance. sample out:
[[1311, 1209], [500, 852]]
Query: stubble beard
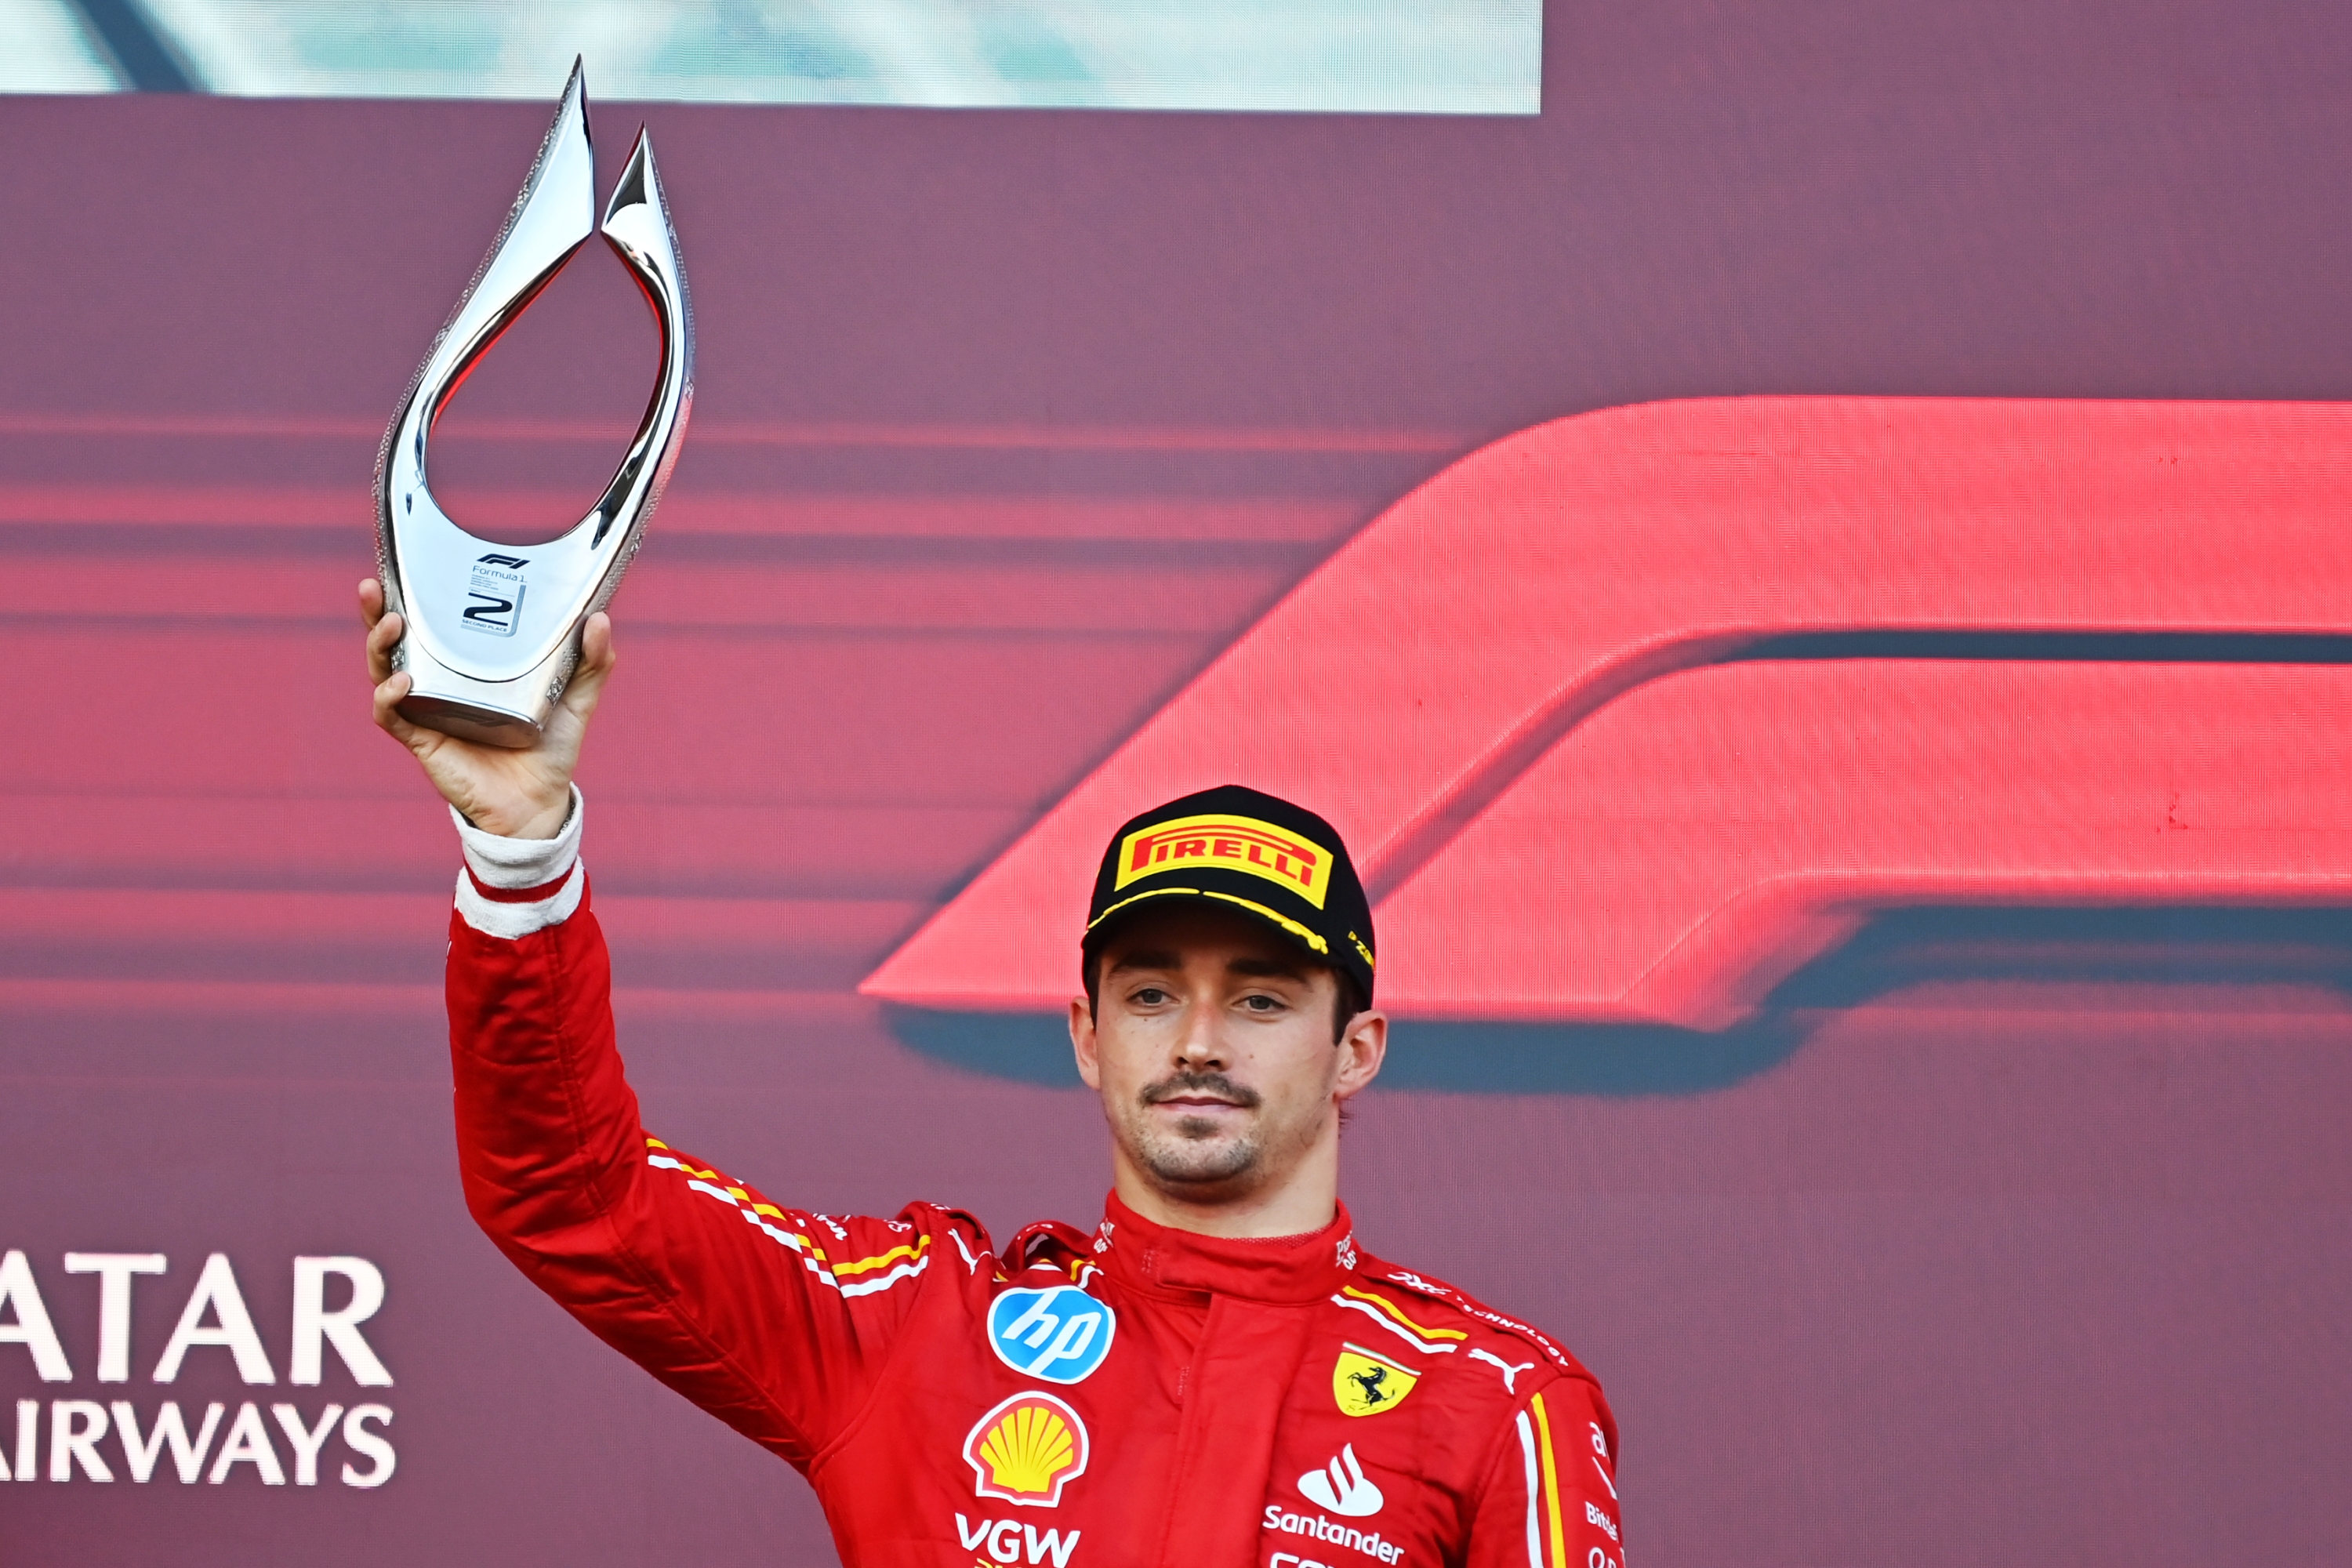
[[1198, 1152]]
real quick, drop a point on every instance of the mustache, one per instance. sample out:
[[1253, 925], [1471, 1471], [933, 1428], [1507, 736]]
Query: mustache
[[1214, 1085]]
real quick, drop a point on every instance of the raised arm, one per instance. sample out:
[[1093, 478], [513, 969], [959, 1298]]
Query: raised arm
[[773, 1320]]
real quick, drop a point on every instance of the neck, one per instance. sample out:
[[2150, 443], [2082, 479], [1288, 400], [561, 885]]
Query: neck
[[1304, 1199]]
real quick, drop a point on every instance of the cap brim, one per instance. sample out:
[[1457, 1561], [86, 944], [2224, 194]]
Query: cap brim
[[1116, 916]]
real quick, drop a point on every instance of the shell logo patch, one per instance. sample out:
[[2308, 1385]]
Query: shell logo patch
[[1060, 1334], [1369, 1384], [1026, 1450]]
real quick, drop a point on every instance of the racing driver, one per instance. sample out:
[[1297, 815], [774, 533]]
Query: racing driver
[[1218, 1373]]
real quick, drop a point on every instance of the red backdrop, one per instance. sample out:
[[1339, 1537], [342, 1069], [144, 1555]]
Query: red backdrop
[[1978, 1218]]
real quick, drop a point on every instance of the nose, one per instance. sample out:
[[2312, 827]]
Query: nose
[[1201, 1046]]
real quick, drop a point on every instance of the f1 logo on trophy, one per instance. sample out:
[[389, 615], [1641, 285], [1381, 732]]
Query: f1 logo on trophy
[[491, 632]]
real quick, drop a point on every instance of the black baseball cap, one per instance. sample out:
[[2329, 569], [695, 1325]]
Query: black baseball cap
[[1249, 851]]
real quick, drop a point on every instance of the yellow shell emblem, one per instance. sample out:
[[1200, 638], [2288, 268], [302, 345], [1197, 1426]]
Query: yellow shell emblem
[[1369, 1384], [1028, 1450]]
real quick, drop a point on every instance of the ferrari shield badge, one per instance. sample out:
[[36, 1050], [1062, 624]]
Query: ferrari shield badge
[[1369, 1384]]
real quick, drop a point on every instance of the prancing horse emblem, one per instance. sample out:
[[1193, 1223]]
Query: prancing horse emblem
[[1367, 1384]]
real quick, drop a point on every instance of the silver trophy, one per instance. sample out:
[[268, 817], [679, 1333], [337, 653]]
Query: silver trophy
[[493, 630]]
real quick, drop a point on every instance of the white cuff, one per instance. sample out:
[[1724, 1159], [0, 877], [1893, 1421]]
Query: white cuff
[[511, 863], [497, 867]]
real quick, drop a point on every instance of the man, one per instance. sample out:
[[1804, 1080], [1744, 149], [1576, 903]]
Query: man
[[1218, 1375]]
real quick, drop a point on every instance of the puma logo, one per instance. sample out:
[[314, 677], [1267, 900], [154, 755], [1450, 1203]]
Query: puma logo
[[1510, 1373]]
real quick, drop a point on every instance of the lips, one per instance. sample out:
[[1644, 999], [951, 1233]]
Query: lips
[[1212, 1090]]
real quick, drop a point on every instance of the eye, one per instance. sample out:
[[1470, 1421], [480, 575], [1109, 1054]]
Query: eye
[[1149, 996], [1261, 1002]]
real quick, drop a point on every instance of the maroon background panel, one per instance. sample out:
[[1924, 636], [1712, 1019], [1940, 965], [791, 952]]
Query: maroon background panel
[[2011, 1234]]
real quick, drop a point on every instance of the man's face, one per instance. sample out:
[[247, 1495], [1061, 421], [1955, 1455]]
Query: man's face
[[1212, 1048]]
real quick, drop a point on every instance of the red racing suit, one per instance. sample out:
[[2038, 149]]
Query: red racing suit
[[1136, 1396]]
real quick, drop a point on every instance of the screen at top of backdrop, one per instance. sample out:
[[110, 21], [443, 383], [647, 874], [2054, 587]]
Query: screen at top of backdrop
[[1440, 56]]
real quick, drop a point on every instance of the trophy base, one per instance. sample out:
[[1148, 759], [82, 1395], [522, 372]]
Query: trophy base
[[489, 712], [470, 721]]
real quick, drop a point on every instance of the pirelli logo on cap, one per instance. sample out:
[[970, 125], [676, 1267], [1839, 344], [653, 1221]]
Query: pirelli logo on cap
[[1233, 843]]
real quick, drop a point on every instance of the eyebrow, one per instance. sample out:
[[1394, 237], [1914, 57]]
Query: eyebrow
[[1271, 968], [1145, 959]]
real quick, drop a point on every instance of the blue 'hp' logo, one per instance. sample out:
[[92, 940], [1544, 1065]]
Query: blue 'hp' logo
[[1061, 1334]]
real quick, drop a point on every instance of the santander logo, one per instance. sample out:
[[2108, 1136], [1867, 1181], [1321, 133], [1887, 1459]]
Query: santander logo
[[1342, 1487]]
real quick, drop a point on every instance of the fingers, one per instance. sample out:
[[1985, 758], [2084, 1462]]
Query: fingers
[[388, 694], [597, 657], [383, 631], [597, 650], [384, 637]]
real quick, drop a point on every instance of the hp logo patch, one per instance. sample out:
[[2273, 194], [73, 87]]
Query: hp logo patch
[[1061, 1334]]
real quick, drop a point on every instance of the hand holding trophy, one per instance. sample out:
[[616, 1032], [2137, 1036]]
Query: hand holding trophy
[[513, 791], [488, 658]]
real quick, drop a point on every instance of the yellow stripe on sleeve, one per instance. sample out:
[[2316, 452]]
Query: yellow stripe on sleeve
[[865, 1265], [1385, 1305], [1551, 1486]]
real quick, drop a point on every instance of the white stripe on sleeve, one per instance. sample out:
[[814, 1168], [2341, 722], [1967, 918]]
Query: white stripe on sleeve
[[1535, 1493]]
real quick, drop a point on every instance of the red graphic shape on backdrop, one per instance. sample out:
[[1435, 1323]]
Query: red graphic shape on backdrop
[[1438, 689]]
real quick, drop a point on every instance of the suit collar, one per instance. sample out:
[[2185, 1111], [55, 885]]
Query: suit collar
[[1283, 1268]]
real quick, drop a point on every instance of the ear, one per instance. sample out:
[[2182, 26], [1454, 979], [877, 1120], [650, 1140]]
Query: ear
[[1361, 1050], [1082, 1044]]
